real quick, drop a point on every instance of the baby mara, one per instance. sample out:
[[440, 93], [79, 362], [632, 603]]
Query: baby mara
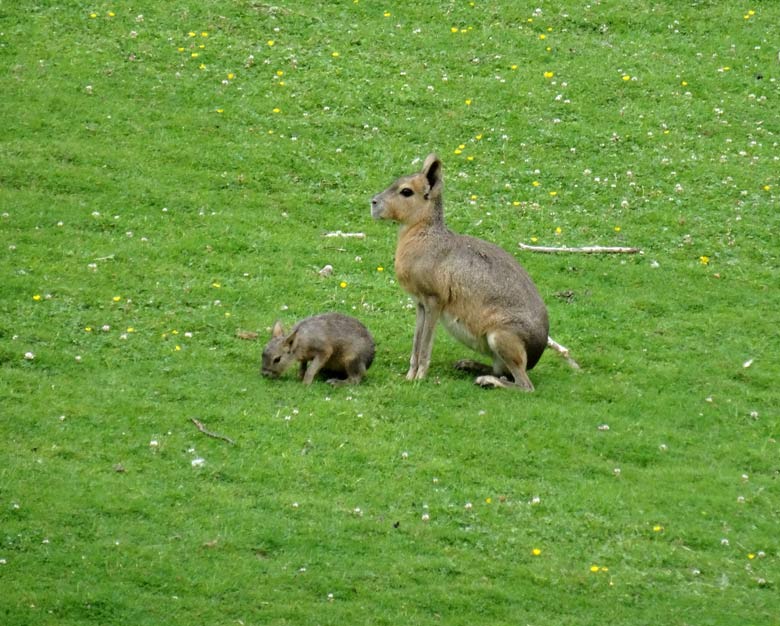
[[337, 345]]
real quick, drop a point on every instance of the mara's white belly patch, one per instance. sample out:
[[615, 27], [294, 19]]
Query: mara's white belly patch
[[458, 329]]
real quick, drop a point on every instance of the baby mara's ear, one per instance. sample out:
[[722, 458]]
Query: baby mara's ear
[[290, 340], [432, 171], [277, 330]]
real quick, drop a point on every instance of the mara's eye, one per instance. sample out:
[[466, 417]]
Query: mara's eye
[[406, 192], [277, 359]]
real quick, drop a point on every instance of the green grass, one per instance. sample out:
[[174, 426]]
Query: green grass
[[139, 191]]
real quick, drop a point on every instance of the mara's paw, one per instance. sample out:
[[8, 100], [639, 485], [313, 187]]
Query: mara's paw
[[489, 382]]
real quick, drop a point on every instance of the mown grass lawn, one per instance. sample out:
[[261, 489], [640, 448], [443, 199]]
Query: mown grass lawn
[[169, 172]]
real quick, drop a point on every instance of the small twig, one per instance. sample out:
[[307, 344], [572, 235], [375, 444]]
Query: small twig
[[110, 257], [563, 351], [584, 249], [338, 233], [208, 433]]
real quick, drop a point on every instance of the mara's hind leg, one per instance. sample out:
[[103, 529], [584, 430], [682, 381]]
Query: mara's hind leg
[[509, 352], [355, 371], [473, 367]]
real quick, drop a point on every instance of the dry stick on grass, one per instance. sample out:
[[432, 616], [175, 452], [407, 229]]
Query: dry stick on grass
[[208, 433], [338, 233], [584, 249], [563, 351]]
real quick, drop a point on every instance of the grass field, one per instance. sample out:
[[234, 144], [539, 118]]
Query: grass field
[[168, 173]]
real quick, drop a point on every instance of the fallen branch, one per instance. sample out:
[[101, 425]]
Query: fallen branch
[[563, 351], [338, 233], [208, 433], [584, 249]]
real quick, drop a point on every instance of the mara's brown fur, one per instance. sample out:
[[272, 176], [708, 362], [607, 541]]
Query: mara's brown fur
[[335, 344], [480, 292]]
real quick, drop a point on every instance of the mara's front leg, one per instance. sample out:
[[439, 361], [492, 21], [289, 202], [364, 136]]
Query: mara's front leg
[[315, 365], [424, 344], [414, 360]]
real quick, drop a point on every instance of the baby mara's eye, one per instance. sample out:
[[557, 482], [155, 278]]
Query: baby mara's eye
[[277, 359], [406, 192]]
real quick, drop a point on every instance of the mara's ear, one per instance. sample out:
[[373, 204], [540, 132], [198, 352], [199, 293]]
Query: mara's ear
[[289, 341], [433, 174], [277, 330]]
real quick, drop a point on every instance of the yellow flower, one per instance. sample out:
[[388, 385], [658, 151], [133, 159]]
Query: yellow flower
[[111, 14], [216, 285], [751, 556], [88, 329], [767, 187], [116, 298], [380, 269], [231, 75], [195, 55], [458, 151], [202, 66], [343, 285], [534, 239], [658, 528], [220, 110], [594, 568], [542, 36], [335, 55], [130, 329], [536, 183], [270, 42], [93, 15], [279, 73], [553, 193], [204, 34], [549, 74], [488, 500], [454, 29], [617, 229], [474, 196], [191, 34], [180, 49], [468, 102], [174, 332], [515, 203], [558, 230], [536, 551], [177, 348], [478, 137], [704, 260], [387, 14], [684, 83], [513, 67], [626, 77], [37, 297]]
